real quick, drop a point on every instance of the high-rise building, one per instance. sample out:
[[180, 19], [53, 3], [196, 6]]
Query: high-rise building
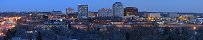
[[83, 11], [131, 11], [105, 12], [69, 10], [118, 9]]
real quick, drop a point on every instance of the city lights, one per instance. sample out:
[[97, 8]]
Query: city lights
[[101, 20], [194, 28]]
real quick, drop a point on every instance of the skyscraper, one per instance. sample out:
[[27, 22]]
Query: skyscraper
[[131, 11], [83, 11], [105, 12], [69, 10], [118, 9]]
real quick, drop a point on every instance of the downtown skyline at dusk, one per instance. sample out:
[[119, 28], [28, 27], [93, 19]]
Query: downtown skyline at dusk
[[101, 20], [94, 5]]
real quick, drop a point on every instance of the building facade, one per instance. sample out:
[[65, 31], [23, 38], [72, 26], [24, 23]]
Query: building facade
[[83, 11], [92, 14], [131, 11], [118, 9], [105, 12], [154, 15], [69, 10]]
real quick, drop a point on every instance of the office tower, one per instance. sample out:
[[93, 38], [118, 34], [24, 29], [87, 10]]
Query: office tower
[[105, 12], [83, 11], [69, 10], [118, 9], [131, 11]]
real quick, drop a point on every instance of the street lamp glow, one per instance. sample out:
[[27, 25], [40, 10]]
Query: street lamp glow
[[194, 28]]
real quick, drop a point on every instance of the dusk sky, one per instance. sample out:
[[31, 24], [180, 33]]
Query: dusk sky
[[94, 5]]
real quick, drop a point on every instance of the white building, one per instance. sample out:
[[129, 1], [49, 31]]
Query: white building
[[154, 15]]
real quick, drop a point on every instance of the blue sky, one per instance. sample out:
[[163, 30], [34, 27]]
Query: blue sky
[[94, 5]]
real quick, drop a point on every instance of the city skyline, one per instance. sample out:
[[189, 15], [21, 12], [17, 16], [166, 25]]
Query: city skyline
[[145, 5], [101, 20]]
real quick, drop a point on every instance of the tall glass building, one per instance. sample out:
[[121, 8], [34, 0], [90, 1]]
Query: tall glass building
[[118, 9]]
